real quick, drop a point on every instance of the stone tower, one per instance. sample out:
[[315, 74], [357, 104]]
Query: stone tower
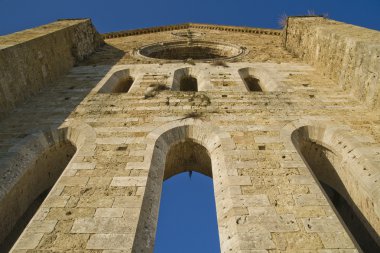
[[286, 122]]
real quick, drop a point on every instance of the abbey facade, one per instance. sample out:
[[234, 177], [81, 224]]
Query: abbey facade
[[285, 122]]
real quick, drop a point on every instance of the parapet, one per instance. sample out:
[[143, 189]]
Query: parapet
[[348, 54], [32, 58]]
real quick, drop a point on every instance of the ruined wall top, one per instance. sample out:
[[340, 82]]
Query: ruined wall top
[[32, 58], [349, 54]]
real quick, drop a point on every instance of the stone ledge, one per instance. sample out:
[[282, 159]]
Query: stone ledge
[[191, 25]]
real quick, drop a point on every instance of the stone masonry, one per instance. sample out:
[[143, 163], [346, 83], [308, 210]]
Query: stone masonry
[[97, 122]]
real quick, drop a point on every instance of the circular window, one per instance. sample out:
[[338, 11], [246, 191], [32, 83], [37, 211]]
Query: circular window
[[196, 50]]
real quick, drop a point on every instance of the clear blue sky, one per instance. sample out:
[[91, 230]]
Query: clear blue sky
[[120, 15], [187, 219], [185, 203]]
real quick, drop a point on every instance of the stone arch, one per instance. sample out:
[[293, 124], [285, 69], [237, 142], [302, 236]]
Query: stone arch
[[119, 81], [346, 174], [187, 155], [251, 82], [259, 79], [160, 141], [188, 79], [35, 165]]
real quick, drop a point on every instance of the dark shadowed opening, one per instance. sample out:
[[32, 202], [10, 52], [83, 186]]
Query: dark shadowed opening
[[123, 85], [196, 50], [188, 83], [22, 222], [33, 187], [252, 83], [324, 163]]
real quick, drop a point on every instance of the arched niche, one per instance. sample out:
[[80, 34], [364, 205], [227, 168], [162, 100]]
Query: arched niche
[[187, 79], [39, 160], [259, 79], [119, 82], [252, 83], [203, 151], [337, 173], [188, 83]]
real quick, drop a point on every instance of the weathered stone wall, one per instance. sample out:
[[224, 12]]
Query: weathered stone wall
[[266, 197], [349, 54], [32, 58]]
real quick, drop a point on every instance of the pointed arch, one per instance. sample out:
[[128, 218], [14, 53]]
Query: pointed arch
[[194, 133], [188, 79], [35, 164], [344, 172], [119, 81]]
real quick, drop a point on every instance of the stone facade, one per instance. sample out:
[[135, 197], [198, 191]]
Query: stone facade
[[286, 123]]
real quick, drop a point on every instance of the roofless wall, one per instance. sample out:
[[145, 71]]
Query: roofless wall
[[130, 119], [31, 59], [349, 54]]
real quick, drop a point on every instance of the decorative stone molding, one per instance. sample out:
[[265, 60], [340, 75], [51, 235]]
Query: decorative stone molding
[[191, 25], [194, 50]]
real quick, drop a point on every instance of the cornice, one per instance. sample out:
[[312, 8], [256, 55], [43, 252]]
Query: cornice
[[191, 25]]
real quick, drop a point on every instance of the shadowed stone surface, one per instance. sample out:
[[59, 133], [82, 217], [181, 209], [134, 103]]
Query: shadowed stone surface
[[123, 108]]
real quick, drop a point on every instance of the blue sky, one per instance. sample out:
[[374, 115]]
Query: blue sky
[[187, 206], [187, 219], [120, 15]]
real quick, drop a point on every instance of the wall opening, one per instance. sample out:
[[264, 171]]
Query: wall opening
[[120, 82], [187, 216], [184, 161], [252, 83], [41, 170], [123, 85], [178, 149], [22, 222], [326, 165], [186, 79], [188, 83]]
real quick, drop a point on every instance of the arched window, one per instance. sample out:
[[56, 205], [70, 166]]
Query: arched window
[[186, 79], [251, 82], [334, 177], [183, 148], [190, 157], [123, 85], [43, 159], [119, 82], [188, 83]]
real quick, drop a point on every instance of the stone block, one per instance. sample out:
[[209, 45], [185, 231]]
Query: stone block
[[128, 181], [109, 212], [111, 241]]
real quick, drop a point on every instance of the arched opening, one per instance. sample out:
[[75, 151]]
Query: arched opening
[[44, 161], [188, 83], [119, 82], [177, 148], [187, 203], [123, 85], [251, 82], [186, 79], [329, 170]]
